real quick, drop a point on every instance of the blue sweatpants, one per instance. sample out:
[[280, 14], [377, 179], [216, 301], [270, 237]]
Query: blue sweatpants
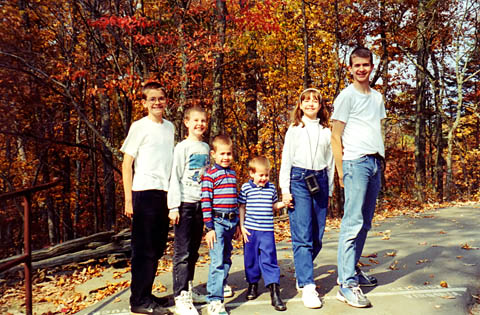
[[260, 258]]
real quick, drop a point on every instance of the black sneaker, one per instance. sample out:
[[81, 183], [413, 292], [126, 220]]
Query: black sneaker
[[151, 308], [162, 301], [364, 280]]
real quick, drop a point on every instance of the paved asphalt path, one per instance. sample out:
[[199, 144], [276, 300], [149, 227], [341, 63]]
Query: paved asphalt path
[[418, 260]]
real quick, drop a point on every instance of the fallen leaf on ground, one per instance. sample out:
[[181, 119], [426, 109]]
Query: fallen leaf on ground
[[468, 247], [394, 265], [391, 254], [450, 297], [422, 261]]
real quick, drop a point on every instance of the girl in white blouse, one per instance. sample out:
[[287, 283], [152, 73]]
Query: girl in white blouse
[[306, 181]]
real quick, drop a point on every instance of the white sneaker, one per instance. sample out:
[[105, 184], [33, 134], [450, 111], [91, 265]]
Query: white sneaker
[[310, 296], [216, 308], [184, 305], [227, 291], [197, 297]]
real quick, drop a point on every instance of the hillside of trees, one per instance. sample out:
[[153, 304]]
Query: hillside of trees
[[71, 74]]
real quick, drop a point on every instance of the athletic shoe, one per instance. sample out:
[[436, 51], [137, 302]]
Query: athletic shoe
[[353, 296], [227, 291], [151, 308], [364, 280], [216, 308], [162, 301], [197, 297], [184, 305], [310, 296]]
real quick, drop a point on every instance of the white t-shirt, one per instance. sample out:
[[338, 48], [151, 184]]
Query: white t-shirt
[[306, 147], [151, 145], [362, 115], [190, 160]]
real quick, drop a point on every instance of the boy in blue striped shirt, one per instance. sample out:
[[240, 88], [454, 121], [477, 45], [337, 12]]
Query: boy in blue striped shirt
[[257, 201], [220, 216]]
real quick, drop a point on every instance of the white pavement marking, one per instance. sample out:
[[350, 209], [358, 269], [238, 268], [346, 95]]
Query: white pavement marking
[[415, 293], [408, 293]]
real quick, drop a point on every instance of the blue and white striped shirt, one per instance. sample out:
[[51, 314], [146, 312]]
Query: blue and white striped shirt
[[259, 205]]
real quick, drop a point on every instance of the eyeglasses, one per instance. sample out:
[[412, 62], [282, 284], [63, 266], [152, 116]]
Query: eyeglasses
[[156, 99]]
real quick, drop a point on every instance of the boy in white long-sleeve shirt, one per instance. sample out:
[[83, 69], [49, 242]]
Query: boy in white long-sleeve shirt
[[191, 158]]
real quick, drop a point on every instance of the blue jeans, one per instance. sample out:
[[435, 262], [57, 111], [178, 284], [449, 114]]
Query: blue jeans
[[260, 258], [188, 235], [220, 257], [307, 221], [362, 181]]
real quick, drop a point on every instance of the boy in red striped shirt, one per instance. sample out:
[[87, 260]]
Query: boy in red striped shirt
[[220, 216]]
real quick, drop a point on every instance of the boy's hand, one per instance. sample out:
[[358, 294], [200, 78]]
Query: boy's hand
[[211, 238], [245, 234], [287, 200], [174, 216], [128, 209]]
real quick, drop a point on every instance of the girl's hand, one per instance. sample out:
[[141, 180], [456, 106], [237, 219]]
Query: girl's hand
[[211, 238], [245, 234], [287, 200], [174, 216]]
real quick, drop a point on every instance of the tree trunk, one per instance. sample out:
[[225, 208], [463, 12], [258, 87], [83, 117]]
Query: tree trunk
[[107, 159], [217, 117], [67, 225], [420, 100], [307, 81], [251, 102]]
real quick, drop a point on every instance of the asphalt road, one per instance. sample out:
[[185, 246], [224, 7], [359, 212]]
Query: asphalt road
[[418, 260]]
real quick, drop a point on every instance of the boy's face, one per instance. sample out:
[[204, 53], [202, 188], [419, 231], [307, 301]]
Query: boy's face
[[223, 156], [260, 176], [361, 69], [155, 102], [196, 124]]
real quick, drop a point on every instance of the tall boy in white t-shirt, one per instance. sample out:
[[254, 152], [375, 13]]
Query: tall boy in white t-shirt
[[357, 115], [149, 149]]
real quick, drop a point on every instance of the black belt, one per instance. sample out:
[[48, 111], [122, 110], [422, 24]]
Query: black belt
[[380, 158], [377, 155], [224, 215]]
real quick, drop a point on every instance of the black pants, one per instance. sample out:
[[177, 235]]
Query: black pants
[[149, 238], [188, 236]]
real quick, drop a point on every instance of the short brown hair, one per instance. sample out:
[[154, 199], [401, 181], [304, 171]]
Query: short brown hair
[[361, 52], [153, 85], [257, 161], [193, 109], [322, 114], [221, 139]]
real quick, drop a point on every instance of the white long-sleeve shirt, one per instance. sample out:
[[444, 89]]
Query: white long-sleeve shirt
[[307, 147]]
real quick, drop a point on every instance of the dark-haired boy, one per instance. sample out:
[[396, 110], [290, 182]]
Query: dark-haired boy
[[357, 116], [149, 148]]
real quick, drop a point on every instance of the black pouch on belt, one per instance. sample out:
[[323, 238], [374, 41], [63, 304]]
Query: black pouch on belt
[[312, 184]]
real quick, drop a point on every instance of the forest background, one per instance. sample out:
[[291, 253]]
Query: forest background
[[71, 74]]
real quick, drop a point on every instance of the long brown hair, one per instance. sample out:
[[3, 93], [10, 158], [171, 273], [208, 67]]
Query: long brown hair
[[322, 114]]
